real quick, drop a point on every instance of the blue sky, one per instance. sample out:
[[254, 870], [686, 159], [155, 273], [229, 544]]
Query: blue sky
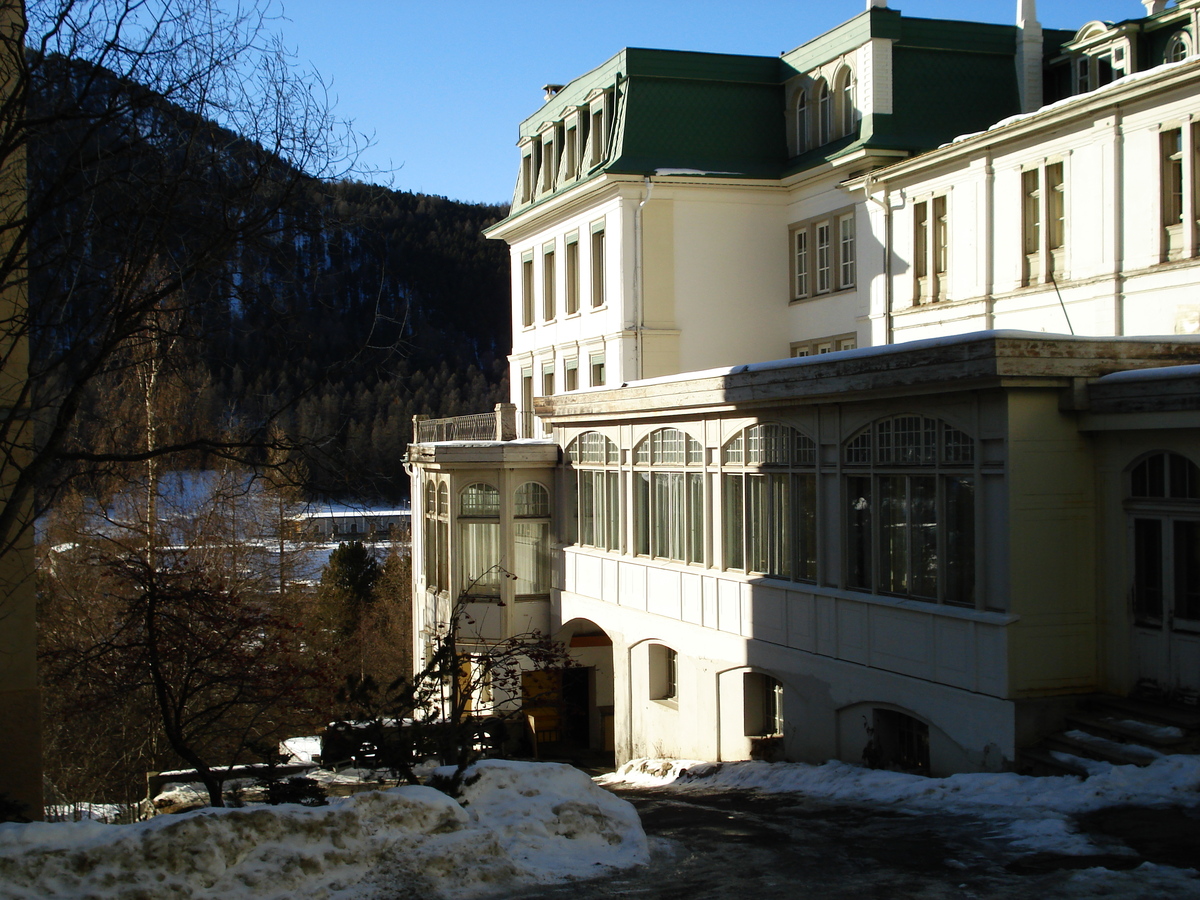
[[442, 84]]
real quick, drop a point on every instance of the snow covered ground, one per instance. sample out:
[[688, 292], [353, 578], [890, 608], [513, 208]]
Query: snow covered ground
[[1034, 815], [516, 824]]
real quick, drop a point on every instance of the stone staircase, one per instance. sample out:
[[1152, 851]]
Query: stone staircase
[[1121, 731]]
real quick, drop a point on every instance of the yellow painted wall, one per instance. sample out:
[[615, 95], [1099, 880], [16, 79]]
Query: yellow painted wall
[[1052, 524]]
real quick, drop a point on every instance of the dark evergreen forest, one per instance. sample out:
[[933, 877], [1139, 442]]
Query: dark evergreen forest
[[352, 309]]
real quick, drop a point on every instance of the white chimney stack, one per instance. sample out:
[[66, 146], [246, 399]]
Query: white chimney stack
[[1029, 56], [876, 4], [1154, 7]]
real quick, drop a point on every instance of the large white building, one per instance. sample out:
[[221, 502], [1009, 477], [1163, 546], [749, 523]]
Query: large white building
[[854, 395]]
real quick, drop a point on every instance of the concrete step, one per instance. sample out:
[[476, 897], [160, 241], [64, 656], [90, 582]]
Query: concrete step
[[1149, 710], [1092, 746], [1124, 726], [1038, 761]]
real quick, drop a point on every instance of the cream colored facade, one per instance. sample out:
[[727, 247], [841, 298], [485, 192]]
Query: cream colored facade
[[924, 540]]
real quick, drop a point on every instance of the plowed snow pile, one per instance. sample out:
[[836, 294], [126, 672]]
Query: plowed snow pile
[[516, 824]]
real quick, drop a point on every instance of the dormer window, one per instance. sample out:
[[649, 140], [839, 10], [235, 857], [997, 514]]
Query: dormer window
[[845, 100], [1178, 48], [825, 114], [802, 122]]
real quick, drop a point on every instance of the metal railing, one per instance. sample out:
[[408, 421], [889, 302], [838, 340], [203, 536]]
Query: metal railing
[[499, 425]]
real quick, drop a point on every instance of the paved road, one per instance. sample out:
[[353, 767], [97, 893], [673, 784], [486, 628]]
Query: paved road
[[731, 845]]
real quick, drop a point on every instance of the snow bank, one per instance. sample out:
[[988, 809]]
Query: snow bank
[[1034, 814], [519, 823]]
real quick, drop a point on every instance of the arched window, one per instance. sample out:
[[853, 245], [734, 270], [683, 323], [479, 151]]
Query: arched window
[[1164, 505], [768, 502], [1178, 48], [910, 510], [479, 533], [531, 540], [824, 114], [845, 100], [668, 499], [596, 514], [802, 122]]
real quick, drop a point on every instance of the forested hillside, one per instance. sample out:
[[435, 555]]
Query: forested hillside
[[349, 308]]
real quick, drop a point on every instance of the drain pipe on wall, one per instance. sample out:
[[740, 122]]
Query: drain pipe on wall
[[638, 289], [886, 205]]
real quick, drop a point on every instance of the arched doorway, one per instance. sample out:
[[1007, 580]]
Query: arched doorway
[[570, 710]]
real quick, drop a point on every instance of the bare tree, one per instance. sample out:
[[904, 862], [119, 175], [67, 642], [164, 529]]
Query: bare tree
[[163, 137]]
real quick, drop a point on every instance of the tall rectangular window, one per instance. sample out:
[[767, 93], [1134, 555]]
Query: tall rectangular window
[[597, 136], [571, 375], [824, 258], [527, 290], [800, 261], [1171, 170], [548, 380], [931, 249], [1056, 211], [572, 156], [527, 177], [572, 274], [597, 267], [1031, 224], [548, 284], [731, 518], [846, 254]]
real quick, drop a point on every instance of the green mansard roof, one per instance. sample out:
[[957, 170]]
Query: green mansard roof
[[723, 115]]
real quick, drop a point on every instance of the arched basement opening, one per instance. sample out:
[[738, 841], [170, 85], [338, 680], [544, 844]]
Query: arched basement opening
[[570, 710]]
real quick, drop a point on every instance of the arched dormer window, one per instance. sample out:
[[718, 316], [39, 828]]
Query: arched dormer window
[[1164, 506], [594, 483], [1178, 48], [668, 499], [768, 502], [531, 540], [824, 113], [479, 540], [802, 122], [910, 510], [845, 102]]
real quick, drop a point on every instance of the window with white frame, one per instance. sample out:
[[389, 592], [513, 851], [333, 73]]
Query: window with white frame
[[824, 113], [824, 245], [1177, 48], [847, 113], [527, 176], [847, 341], [762, 705], [668, 496], [479, 535], [823, 255], [572, 274], [802, 140], [596, 496], [930, 250], [664, 673], [531, 541], [909, 507], [437, 535], [1171, 169], [768, 502], [597, 264], [548, 282], [846, 251], [1164, 506], [596, 368], [548, 379], [571, 374], [527, 289], [1043, 222]]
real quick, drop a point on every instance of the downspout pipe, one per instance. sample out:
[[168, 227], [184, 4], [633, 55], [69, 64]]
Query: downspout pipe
[[639, 315], [886, 206]]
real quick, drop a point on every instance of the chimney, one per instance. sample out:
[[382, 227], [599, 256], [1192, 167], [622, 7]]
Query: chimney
[[551, 90], [876, 4], [1154, 7], [1029, 56]]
